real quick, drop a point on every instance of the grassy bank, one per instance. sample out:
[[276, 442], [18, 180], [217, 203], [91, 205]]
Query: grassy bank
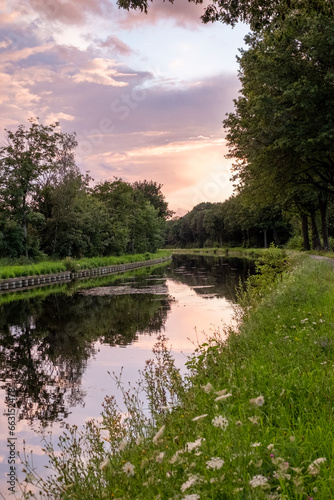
[[49, 267], [254, 420], [70, 288]]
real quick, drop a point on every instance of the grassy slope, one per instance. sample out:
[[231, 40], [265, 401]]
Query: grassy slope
[[283, 355], [48, 267]]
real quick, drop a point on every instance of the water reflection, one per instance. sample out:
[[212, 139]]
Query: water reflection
[[47, 341], [45, 345]]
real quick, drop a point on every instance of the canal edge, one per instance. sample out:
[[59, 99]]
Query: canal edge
[[65, 276]]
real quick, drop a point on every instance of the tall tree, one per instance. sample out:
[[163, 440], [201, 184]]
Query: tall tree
[[282, 132], [32, 158]]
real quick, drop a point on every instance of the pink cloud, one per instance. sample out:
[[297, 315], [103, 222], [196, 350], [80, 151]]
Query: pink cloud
[[70, 12], [115, 44], [182, 13]]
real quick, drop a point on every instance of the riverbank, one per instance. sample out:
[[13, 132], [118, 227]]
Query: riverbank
[[68, 270], [254, 419]]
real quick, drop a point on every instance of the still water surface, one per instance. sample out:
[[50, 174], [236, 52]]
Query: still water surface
[[57, 345]]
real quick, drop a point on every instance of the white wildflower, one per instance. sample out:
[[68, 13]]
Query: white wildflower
[[255, 445], [281, 475], [159, 458], [224, 396], [314, 467], [292, 439], [104, 463], [270, 447], [221, 422], [304, 320], [194, 445], [199, 417], [315, 489], [123, 444], [207, 388], [158, 435], [237, 490], [139, 440], [191, 481], [222, 392], [215, 463], [259, 401], [129, 469], [260, 481], [175, 457], [194, 496], [254, 420], [238, 423]]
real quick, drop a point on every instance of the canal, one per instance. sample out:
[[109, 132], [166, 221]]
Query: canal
[[59, 346]]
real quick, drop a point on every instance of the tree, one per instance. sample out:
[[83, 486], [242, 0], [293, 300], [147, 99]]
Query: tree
[[282, 130], [257, 13], [136, 225], [32, 159], [152, 193]]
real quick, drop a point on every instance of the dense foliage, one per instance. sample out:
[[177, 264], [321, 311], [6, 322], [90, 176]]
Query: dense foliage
[[47, 206], [230, 223]]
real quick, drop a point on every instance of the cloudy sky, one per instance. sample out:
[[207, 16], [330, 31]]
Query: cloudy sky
[[146, 94]]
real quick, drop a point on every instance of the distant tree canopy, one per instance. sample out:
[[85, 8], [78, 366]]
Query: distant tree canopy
[[47, 206], [230, 223]]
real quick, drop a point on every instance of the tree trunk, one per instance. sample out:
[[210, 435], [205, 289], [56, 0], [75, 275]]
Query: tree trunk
[[305, 232], [265, 242], [25, 225], [276, 237], [316, 243], [324, 228]]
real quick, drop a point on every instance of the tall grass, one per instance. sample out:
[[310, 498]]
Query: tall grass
[[49, 267], [253, 420]]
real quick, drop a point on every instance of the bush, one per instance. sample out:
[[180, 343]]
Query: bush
[[295, 243]]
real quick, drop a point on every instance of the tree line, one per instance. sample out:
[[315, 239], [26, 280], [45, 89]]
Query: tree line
[[281, 133], [47, 206]]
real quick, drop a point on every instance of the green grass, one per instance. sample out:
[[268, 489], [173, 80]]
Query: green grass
[[72, 287], [49, 267], [258, 441]]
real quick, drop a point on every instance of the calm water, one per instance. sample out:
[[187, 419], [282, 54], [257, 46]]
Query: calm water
[[57, 345]]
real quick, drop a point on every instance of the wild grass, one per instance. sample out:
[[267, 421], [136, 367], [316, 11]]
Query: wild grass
[[49, 267], [252, 420]]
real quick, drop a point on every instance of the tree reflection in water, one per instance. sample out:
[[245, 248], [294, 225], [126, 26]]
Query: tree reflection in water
[[46, 343]]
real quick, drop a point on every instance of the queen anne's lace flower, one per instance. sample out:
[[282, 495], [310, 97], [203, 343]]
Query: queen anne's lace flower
[[194, 445], [259, 401], [129, 469], [220, 421], [314, 467], [215, 463], [159, 458], [207, 388], [191, 481], [259, 481]]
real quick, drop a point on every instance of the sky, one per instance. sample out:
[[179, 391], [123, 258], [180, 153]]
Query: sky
[[145, 94]]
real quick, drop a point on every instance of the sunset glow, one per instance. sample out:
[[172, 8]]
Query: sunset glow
[[146, 95]]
